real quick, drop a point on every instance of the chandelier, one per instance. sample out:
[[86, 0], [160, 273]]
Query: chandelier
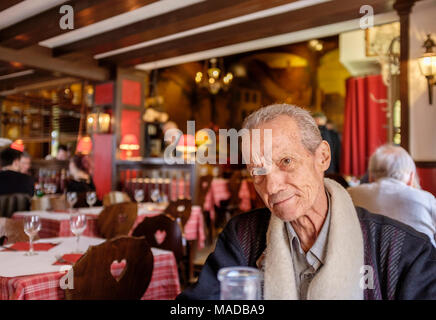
[[213, 77]]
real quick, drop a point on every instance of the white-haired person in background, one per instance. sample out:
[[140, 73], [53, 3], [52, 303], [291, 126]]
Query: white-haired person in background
[[394, 191]]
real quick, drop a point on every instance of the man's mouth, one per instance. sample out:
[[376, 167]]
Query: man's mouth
[[282, 201]]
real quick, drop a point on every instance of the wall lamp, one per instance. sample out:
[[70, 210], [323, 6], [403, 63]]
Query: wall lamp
[[427, 64]]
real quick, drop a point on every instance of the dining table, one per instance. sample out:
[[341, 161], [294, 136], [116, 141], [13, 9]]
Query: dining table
[[56, 223], [39, 276]]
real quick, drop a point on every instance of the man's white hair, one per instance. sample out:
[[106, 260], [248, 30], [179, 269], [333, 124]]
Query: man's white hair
[[390, 161], [310, 135]]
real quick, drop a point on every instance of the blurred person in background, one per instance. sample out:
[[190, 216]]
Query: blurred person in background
[[394, 191], [332, 137], [63, 153], [80, 176], [80, 180], [11, 179], [25, 163]]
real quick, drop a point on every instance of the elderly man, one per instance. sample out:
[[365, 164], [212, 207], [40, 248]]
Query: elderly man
[[310, 241], [394, 191]]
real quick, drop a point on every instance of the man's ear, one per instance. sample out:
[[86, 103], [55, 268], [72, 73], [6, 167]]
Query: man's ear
[[323, 155], [409, 181]]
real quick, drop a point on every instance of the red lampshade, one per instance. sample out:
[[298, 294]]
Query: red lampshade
[[84, 146], [129, 142], [18, 145]]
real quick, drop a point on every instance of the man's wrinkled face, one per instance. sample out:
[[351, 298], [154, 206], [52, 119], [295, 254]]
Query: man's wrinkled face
[[293, 180]]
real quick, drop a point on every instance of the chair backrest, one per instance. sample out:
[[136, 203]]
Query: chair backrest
[[180, 208], [10, 203], [96, 277], [117, 219], [164, 232], [12, 230], [58, 203], [234, 186], [202, 188], [114, 197]]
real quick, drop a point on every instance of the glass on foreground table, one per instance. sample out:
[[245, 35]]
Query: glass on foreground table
[[240, 283], [32, 225], [77, 225]]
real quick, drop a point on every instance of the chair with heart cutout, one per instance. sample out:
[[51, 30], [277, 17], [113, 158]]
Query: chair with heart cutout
[[118, 269], [180, 208], [164, 232], [117, 219]]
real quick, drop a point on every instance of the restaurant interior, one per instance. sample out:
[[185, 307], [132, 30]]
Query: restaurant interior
[[94, 87]]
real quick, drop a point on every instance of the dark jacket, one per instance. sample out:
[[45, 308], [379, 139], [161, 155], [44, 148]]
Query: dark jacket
[[404, 260], [15, 182]]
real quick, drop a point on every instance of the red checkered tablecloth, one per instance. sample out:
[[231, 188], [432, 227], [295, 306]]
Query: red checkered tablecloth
[[219, 190], [164, 284]]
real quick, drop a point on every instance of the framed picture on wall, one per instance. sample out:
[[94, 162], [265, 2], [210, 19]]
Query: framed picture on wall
[[379, 38]]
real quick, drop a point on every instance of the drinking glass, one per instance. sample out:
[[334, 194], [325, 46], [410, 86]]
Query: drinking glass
[[155, 195], [139, 195], [91, 198], [240, 283], [77, 226], [72, 199], [32, 225]]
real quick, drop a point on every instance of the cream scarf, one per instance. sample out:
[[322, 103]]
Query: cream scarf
[[339, 278]]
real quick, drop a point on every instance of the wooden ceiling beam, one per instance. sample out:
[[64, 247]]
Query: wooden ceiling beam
[[194, 16], [46, 24], [5, 4], [40, 85], [305, 18], [34, 58]]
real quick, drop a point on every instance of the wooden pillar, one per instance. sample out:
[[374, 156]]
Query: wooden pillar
[[403, 8]]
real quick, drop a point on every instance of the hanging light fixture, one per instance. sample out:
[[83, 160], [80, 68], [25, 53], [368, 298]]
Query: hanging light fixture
[[213, 76], [427, 64]]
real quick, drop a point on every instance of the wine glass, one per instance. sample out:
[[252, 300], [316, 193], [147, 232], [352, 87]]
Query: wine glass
[[32, 225], [72, 199], [155, 195], [77, 226], [139, 195], [91, 198]]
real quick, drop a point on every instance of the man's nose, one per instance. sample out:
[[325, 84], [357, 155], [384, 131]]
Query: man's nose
[[274, 180]]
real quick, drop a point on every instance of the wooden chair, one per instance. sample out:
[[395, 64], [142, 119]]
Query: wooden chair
[[58, 203], [180, 208], [117, 219], [201, 189], [114, 197], [93, 277], [10, 203], [164, 232], [12, 231]]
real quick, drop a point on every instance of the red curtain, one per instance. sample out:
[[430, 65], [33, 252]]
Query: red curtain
[[365, 123]]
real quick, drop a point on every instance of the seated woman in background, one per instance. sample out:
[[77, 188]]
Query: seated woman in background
[[80, 179]]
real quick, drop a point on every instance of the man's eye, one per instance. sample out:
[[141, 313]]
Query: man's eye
[[286, 161]]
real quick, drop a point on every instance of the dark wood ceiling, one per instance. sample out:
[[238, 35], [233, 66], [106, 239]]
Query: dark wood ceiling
[[20, 40]]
